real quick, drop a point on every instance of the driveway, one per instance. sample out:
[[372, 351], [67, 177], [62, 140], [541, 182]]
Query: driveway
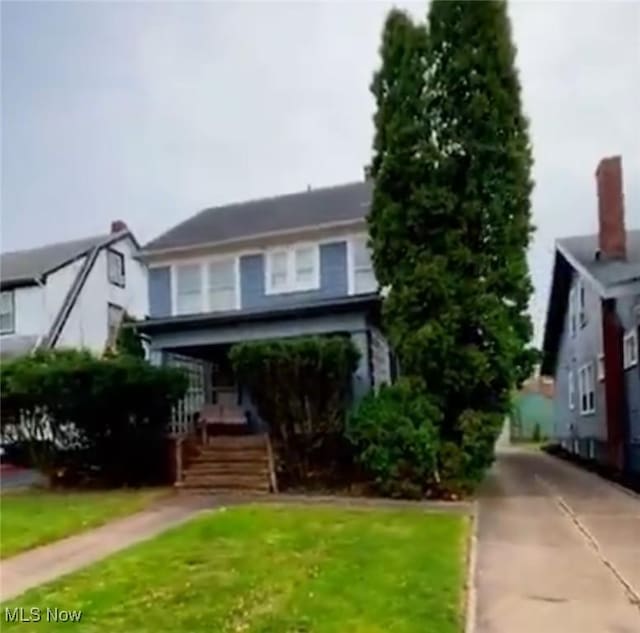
[[558, 550]]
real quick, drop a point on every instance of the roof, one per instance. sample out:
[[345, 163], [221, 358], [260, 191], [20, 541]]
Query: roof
[[341, 203], [608, 272], [23, 267], [610, 278], [370, 301]]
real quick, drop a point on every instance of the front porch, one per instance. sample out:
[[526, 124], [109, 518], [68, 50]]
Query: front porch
[[218, 408]]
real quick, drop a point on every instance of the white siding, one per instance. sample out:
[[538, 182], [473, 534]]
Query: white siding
[[87, 325]]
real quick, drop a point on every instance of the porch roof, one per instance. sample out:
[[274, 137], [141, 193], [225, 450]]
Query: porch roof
[[369, 303]]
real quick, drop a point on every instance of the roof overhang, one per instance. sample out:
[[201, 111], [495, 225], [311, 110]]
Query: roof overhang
[[369, 303], [147, 254], [13, 284]]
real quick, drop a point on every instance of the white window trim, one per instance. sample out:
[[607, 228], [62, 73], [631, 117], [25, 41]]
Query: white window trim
[[12, 329], [630, 336], [572, 390], [292, 285], [204, 280], [351, 263], [584, 370]]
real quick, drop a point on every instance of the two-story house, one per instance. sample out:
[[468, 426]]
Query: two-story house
[[70, 294], [591, 334], [278, 267]]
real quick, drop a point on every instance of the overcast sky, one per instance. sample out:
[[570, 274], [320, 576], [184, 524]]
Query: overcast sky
[[149, 112]]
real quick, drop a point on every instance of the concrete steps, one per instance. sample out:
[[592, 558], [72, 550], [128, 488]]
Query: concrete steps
[[238, 463]]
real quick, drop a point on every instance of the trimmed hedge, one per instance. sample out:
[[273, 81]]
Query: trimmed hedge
[[98, 418], [302, 389]]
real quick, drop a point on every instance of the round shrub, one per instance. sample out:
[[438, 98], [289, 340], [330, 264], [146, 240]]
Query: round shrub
[[395, 436]]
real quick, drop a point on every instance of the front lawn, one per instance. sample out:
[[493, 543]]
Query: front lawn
[[32, 518], [276, 570]]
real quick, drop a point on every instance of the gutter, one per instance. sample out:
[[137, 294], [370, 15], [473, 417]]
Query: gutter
[[370, 301]]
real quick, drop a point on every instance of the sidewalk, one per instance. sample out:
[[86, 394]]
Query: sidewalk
[[42, 564], [558, 550]]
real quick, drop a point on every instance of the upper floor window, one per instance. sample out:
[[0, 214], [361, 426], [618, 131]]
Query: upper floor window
[[188, 289], [222, 284], [572, 390], [115, 268], [587, 389], [7, 312], [293, 269], [630, 349], [573, 320], [582, 304], [364, 279]]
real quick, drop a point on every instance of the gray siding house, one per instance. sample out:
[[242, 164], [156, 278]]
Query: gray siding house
[[285, 266], [592, 331]]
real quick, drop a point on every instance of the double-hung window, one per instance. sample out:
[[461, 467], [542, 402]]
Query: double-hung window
[[305, 267], [573, 317], [630, 349], [587, 389], [7, 312], [293, 269], [188, 279], [582, 304], [364, 279], [115, 268], [222, 284], [572, 390]]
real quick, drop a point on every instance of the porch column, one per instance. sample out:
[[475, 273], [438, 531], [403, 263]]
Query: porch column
[[362, 375]]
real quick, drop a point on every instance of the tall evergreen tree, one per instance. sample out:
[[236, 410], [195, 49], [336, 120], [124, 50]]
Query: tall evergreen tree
[[450, 219]]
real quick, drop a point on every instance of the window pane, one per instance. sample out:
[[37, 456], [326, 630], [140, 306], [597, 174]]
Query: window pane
[[222, 285], [188, 288], [6, 323], [6, 311], [364, 281], [278, 267], [305, 266], [115, 264], [6, 302], [361, 254], [222, 275]]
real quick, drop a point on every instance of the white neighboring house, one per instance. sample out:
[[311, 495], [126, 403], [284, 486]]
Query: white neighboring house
[[71, 294]]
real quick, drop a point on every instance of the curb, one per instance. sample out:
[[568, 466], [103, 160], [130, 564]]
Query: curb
[[472, 585]]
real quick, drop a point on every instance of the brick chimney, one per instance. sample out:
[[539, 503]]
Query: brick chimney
[[612, 237], [118, 225]]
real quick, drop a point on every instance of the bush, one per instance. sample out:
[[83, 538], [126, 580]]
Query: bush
[[107, 417], [463, 463], [395, 435], [301, 388]]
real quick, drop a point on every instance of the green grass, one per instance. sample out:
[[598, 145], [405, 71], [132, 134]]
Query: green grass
[[276, 570], [32, 518]]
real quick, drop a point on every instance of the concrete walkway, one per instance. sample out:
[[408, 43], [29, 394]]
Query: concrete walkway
[[558, 550], [42, 564]]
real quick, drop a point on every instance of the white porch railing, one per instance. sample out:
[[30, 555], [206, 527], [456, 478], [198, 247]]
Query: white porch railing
[[183, 413]]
